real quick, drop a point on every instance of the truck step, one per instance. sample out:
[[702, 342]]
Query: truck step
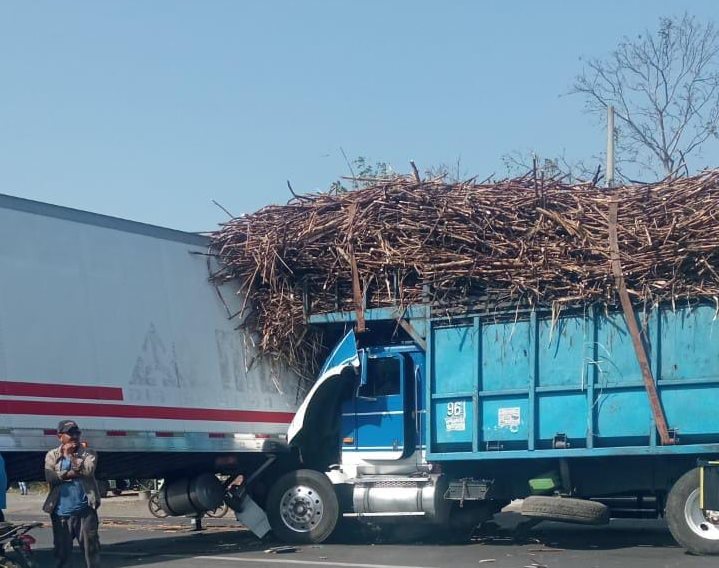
[[389, 481]]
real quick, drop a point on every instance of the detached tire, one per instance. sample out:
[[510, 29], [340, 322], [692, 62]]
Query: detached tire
[[302, 507], [565, 509], [686, 521]]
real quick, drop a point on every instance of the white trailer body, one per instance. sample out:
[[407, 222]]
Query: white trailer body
[[115, 324]]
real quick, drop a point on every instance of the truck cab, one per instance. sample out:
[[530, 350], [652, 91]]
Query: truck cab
[[369, 401], [367, 408], [382, 423]]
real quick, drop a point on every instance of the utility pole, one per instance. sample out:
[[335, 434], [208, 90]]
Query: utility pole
[[610, 147]]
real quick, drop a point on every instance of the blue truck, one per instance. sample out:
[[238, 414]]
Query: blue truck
[[439, 419]]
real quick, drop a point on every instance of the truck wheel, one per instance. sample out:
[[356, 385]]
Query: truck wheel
[[687, 523], [302, 507], [564, 509]]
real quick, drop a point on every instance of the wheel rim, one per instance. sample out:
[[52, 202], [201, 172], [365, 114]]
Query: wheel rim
[[221, 511], [301, 508], [696, 520], [155, 508]]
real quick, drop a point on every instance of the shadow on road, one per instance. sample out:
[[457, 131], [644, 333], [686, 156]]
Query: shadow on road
[[147, 549], [143, 551], [620, 533], [500, 532]]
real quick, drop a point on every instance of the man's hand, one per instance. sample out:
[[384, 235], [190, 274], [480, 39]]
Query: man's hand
[[72, 474], [69, 449]]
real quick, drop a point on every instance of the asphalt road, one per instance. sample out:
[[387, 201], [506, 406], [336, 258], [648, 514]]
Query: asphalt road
[[132, 539]]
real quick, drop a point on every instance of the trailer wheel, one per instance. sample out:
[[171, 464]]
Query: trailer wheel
[[687, 522], [302, 507], [565, 509]]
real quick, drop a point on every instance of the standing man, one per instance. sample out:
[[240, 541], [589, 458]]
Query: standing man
[[74, 496]]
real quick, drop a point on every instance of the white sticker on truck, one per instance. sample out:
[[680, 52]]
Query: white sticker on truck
[[456, 419], [510, 417]]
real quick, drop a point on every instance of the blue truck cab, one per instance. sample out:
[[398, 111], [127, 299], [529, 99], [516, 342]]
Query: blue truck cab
[[443, 421], [383, 420]]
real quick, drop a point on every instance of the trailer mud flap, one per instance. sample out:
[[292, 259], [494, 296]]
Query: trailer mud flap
[[251, 515], [709, 485]]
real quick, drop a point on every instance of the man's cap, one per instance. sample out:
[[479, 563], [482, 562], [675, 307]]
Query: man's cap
[[67, 427]]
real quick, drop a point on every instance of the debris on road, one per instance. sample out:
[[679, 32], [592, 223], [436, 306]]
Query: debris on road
[[281, 550]]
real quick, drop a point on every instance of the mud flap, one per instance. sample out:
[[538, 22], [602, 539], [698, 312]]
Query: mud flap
[[251, 515], [709, 485]]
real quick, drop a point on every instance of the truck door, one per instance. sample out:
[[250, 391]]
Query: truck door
[[384, 427]]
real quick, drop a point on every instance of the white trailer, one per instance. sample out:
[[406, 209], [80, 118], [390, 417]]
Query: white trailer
[[115, 324]]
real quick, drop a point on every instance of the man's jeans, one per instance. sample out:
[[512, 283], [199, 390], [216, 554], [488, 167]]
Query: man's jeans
[[84, 529]]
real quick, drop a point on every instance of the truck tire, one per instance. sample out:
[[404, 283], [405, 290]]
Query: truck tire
[[687, 523], [302, 507], [565, 509]]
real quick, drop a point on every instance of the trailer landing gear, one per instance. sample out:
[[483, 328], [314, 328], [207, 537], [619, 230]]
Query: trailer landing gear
[[196, 523]]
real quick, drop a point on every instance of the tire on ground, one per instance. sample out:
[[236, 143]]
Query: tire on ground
[[320, 489], [676, 515], [565, 509]]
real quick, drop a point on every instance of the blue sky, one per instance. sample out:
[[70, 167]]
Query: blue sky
[[150, 110]]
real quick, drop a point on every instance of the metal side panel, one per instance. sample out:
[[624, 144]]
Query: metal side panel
[[536, 386], [115, 324]]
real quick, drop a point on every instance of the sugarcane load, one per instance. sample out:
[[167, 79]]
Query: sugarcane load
[[523, 241]]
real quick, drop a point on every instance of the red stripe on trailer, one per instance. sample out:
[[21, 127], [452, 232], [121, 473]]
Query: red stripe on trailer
[[45, 390], [101, 410]]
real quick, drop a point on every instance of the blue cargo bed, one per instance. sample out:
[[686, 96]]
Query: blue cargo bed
[[530, 386]]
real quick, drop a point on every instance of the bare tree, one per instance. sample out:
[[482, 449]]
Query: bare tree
[[520, 162], [665, 90]]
